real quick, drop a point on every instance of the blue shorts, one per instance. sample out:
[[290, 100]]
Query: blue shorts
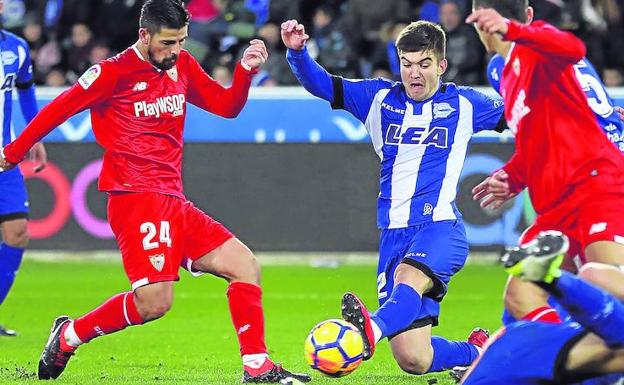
[[13, 195], [526, 353], [439, 249]]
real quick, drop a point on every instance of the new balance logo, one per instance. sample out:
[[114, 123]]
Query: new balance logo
[[598, 228], [243, 329], [140, 86]]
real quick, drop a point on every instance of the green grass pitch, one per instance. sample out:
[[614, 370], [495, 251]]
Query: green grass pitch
[[195, 343]]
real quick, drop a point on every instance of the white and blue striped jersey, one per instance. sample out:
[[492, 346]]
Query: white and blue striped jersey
[[598, 98], [422, 145], [15, 72]]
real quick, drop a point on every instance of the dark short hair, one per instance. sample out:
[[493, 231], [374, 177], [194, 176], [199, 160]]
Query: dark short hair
[[511, 9], [158, 14], [422, 36]]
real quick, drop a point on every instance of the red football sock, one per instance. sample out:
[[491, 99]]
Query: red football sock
[[543, 314], [113, 315], [245, 301]]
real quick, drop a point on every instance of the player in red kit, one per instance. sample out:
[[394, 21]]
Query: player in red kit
[[574, 175], [138, 105]]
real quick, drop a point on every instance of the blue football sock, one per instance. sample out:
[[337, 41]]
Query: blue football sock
[[10, 260], [399, 311], [448, 354], [594, 308]]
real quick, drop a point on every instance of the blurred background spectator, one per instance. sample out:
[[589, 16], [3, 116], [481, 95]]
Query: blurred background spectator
[[351, 38]]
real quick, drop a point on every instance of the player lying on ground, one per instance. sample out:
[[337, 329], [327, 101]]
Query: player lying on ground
[[138, 104], [536, 353], [420, 129], [562, 155]]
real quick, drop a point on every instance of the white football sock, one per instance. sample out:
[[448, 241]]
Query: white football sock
[[376, 331], [71, 338], [255, 361]]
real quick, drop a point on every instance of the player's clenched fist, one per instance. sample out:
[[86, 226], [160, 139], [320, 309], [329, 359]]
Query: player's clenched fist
[[293, 35], [488, 21], [256, 54]]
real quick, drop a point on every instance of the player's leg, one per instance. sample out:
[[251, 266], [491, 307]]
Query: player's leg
[[15, 240], [151, 252], [418, 352], [524, 300], [590, 306], [213, 249], [607, 277], [13, 219], [435, 252]]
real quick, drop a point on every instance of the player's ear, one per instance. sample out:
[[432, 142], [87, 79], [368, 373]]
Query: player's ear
[[530, 14], [144, 36], [442, 67]]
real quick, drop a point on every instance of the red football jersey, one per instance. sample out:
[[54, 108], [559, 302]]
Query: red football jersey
[[137, 113], [558, 141]]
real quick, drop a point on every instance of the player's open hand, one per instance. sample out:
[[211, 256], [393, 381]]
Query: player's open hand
[[256, 54], [494, 191], [4, 164], [488, 21], [293, 35], [39, 156]]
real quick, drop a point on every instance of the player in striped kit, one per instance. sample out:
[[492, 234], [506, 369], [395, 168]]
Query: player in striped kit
[[420, 129], [15, 73]]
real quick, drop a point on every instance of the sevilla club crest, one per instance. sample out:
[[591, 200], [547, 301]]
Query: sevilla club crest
[[173, 74], [158, 261]]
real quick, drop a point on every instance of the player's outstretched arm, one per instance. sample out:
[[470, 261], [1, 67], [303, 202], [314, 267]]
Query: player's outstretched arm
[[545, 39], [95, 85], [205, 93], [310, 74], [28, 104]]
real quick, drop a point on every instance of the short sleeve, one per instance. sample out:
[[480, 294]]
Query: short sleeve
[[487, 110]]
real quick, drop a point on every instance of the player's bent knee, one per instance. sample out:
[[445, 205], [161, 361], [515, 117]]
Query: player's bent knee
[[522, 297], [17, 237], [244, 268], [413, 363], [414, 277], [151, 310]]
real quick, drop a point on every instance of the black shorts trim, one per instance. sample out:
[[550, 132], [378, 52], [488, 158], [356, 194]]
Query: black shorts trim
[[338, 102], [419, 323], [25, 86], [438, 291], [560, 375], [12, 216]]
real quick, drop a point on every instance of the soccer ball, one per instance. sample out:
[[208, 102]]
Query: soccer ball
[[334, 348]]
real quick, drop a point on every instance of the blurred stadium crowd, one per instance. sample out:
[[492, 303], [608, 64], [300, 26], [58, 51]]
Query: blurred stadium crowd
[[353, 38]]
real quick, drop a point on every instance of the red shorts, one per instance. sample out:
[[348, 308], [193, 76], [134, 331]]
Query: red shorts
[[158, 233], [584, 220]]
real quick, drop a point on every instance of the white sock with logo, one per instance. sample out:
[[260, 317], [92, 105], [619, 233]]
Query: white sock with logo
[[71, 338], [255, 361]]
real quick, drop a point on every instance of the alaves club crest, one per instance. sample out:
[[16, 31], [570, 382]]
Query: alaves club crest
[[158, 261]]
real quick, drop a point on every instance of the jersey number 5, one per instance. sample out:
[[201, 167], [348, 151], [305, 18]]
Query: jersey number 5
[[149, 229]]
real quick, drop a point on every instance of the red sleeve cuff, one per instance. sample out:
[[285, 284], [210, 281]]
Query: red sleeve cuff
[[251, 71], [513, 30], [10, 156]]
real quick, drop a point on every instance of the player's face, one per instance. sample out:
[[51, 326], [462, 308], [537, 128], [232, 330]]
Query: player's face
[[420, 73], [164, 47]]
